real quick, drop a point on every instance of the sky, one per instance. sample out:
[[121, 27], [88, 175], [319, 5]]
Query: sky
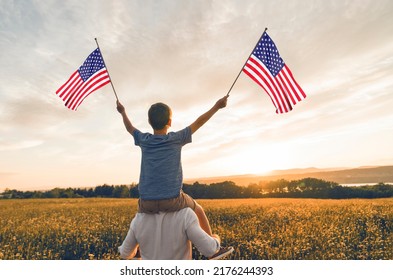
[[187, 55]]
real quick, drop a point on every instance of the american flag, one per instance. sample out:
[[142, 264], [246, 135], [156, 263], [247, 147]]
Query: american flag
[[91, 76], [266, 67]]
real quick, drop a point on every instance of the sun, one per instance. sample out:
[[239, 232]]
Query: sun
[[258, 159]]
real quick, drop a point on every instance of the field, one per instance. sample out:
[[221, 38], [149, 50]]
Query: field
[[274, 229]]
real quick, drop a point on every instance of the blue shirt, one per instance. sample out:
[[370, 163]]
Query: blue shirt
[[161, 170]]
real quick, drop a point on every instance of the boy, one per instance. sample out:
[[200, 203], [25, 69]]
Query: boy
[[161, 177]]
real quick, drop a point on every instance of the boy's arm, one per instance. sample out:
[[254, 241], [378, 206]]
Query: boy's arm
[[127, 123], [221, 103]]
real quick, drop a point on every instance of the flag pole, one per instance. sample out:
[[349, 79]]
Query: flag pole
[[246, 62], [114, 91]]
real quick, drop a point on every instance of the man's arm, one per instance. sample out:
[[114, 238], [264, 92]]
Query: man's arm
[[221, 103], [127, 123], [129, 246], [207, 245]]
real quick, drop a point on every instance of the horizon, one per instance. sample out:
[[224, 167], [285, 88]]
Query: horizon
[[187, 55], [215, 179]]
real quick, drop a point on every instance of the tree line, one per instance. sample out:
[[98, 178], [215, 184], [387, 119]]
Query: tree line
[[304, 188]]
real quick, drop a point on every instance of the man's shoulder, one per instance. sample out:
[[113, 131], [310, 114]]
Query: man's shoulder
[[184, 217], [185, 212]]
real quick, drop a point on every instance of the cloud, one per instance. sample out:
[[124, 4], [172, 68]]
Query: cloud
[[4, 146], [187, 54]]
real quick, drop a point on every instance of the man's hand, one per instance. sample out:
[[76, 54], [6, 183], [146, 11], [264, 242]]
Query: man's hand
[[216, 237], [120, 107]]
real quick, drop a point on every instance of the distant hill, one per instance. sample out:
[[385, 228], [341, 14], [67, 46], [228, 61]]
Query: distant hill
[[340, 175]]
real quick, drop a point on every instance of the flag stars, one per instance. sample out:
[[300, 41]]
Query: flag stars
[[92, 64], [89, 77], [267, 52]]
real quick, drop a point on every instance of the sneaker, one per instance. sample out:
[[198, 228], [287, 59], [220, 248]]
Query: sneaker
[[223, 252]]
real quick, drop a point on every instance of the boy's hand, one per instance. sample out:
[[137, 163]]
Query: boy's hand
[[120, 107], [127, 123], [222, 103]]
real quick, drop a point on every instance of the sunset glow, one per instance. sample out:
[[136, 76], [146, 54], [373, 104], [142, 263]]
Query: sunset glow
[[187, 54]]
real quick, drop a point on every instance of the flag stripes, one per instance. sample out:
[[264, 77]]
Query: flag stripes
[[75, 90], [269, 71], [91, 76]]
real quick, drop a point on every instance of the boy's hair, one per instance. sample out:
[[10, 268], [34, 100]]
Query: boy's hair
[[159, 115]]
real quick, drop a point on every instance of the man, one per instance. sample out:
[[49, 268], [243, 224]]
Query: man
[[168, 236], [161, 177]]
